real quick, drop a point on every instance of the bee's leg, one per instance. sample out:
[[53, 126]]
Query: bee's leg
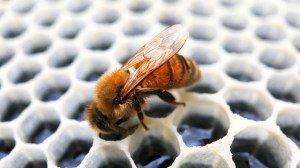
[[161, 93], [137, 106]]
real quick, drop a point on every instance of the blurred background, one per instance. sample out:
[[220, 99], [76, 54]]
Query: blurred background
[[52, 53]]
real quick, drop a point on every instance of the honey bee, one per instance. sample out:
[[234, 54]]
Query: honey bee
[[120, 95]]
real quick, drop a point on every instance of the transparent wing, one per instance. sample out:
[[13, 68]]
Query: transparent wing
[[152, 55]]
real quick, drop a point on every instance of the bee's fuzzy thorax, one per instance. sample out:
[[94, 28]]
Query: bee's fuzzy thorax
[[107, 89]]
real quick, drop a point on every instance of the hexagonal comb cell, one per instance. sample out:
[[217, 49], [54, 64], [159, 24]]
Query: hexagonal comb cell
[[78, 6], [235, 22], [243, 70], [204, 56], [24, 71], [257, 147], [56, 86], [238, 45], [249, 103], [139, 6], [106, 16], [90, 70], [201, 9], [125, 51], [292, 18], [167, 18], [210, 82], [205, 159], [63, 56], [99, 40], [75, 104], [203, 123], [46, 17], [69, 29], [270, 32], [39, 125], [158, 108], [289, 122], [23, 6], [158, 147], [28, 156], [202, 32], [12, 104], [6, 146], [7, 142], [6, 53], [284, 87], [36, 44], [108, 156], [135, 28], [12, 28], [74, 144], [263, 9], [277, 58]]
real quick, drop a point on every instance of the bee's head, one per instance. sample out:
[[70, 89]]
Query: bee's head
[[103, 123]]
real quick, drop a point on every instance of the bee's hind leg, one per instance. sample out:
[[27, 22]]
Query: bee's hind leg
[[137, 106], [161, 93]]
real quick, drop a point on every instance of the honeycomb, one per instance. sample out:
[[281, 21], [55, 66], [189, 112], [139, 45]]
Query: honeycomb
[[245, 111]]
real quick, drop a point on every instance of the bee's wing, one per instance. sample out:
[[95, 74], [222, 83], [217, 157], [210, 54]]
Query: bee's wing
[[152, 55]]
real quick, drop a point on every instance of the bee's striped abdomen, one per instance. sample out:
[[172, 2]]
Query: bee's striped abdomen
[[177, 72]]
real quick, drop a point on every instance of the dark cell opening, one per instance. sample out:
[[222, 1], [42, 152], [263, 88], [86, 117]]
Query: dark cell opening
[[94, 75], [25, 76], [6, 53], [247, 152], [245, 160], [270, 32], [169, 19], [154, 152], [6, 146], [139, 6], [43, 131], [70, 29], [115, 163], [37, 164], [4, 60], [202, 88], [243, 77], [106, 16], [64, 62], [204, 56], [199, 130], [244, 109], [114, 136], [100, 45], [78, 6], [284, 96], [293, 133], [159, 109], [10, 33], [14, 109], [37, 44], [52, 94], [238, 45], [135, 29], [75, 153], [13, 29], [78, 113], [196, 165], [203, 32]]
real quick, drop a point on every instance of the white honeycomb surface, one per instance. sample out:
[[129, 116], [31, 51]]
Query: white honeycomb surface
[[245, 112]]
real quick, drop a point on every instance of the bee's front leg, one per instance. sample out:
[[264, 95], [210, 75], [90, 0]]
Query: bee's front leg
[[137, 106]]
